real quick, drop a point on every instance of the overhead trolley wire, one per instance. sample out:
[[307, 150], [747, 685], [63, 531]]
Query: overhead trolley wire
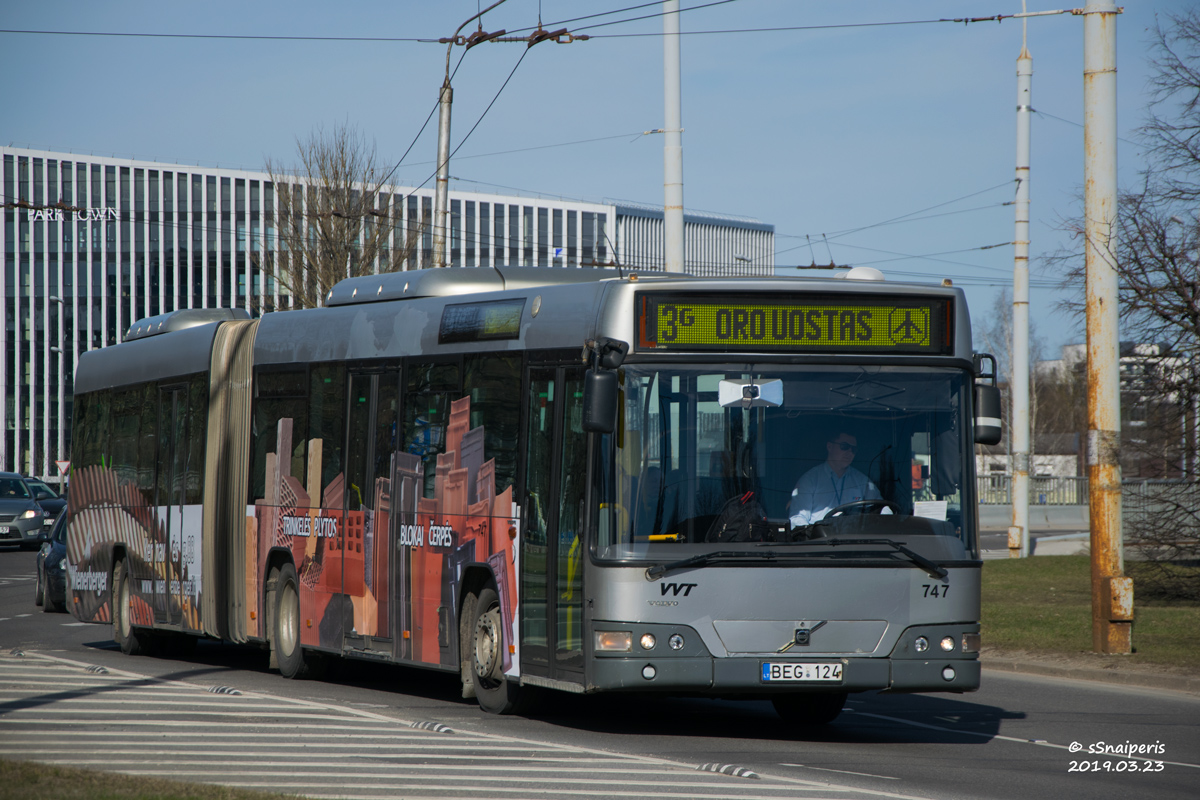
[[250, 37], [426, 40]]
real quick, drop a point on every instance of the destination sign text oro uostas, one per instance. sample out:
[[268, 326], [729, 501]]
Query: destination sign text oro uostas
[[825, 324]]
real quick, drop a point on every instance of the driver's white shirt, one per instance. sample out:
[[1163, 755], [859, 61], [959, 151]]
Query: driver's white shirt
[[819, 491]]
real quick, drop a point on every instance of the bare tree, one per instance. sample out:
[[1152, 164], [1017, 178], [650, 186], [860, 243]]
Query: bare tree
[[994, 335], [335, 218]]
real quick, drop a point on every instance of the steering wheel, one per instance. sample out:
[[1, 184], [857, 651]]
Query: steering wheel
[[862, 506]]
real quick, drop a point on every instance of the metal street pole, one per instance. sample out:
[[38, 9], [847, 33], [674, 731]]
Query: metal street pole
[[1018, 532], [445, 100], [442, 191], [673, 143], [1112, 593]]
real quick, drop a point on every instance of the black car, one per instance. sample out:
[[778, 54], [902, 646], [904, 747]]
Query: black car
[[51, 591], [48, 499]]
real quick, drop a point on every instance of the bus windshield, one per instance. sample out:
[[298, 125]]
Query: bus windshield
[[713, 458]]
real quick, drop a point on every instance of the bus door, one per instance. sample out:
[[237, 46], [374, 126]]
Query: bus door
[[553, 550], [170, 493], [365, 537]]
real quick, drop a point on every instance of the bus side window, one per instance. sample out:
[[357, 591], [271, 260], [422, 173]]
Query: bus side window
[[489, 381], [429, 390], [94, 441], [279, 395], [126, 416], [326, 420], [197, 429], [148, 443]]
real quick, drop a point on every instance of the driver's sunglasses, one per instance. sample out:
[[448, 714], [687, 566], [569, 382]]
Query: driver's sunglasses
[[847, 446]]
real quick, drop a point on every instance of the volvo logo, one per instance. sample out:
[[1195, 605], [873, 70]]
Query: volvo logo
[[801, 637]]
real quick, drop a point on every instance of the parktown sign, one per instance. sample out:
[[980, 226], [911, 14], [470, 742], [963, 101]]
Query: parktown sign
[[84, 215]]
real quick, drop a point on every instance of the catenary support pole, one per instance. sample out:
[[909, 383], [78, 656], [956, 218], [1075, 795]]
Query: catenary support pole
[[1018, 531], [442, 191], [673, 143], [1112, 592]]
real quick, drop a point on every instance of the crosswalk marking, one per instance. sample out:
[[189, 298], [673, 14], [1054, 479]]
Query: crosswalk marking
[[52, 710]]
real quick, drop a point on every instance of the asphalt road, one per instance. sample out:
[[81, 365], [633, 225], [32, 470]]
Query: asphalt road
[[1019, 736]]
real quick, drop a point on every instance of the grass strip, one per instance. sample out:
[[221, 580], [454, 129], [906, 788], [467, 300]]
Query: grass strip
[[24, 780], [1044, 605]]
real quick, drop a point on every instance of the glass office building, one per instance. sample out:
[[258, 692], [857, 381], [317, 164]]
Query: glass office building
[[93, 244]]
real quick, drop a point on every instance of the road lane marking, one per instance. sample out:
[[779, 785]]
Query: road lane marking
[[844, 771], [1002, 737], [392, 758]]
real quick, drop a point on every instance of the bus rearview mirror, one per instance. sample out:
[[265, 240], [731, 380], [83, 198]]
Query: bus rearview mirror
[[987, 414], [599, 401]]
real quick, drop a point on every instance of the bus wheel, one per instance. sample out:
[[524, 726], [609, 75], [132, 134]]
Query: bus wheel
[[285, 638], [494, 691], [810, 708], [466, 644], [132, 641]]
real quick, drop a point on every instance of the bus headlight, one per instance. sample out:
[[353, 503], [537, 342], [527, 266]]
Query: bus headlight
[[647, 641], [970, 643], [676, 641], [614, 641], [947, 643], [921, 644]]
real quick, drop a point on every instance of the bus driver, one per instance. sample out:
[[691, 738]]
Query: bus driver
[[829, 485]]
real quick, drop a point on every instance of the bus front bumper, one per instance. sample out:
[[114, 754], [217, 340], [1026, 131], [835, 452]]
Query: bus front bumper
[[709, 675]]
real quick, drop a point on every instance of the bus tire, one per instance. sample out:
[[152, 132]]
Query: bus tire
[[285, 634], [132, 640], [466, 644], [809, 708], [496, 693]]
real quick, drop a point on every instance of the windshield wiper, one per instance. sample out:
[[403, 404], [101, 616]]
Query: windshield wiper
[[656, 571], [921, 561]]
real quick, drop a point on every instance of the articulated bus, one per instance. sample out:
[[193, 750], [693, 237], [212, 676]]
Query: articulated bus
[[583, 480]]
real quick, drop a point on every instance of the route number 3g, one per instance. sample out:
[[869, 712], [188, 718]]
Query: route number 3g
[[671, 318]]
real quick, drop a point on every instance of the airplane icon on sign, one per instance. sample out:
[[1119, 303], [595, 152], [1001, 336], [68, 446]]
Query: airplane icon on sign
[[910, 330]]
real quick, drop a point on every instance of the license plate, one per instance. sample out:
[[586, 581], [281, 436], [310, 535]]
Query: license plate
[[4, 529], [777, 672]]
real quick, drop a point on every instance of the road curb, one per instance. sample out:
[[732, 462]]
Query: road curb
[[1174, 683]]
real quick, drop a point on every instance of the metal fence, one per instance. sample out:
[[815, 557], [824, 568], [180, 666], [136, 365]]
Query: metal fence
[[1149, 507], [1140, 499], [997, 490]]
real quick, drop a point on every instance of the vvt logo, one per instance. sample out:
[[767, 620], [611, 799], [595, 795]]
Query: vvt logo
[[676, 588]]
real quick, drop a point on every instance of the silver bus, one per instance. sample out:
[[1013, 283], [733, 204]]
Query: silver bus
[[583, 480]]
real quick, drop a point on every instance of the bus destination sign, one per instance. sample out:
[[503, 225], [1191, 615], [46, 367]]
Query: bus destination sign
[[826, 323]]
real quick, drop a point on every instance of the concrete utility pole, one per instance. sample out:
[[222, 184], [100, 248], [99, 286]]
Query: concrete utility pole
[[1112, 592], [1018, 532], [673, 143]]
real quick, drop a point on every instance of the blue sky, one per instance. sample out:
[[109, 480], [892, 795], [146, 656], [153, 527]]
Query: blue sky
[[824, 133]]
